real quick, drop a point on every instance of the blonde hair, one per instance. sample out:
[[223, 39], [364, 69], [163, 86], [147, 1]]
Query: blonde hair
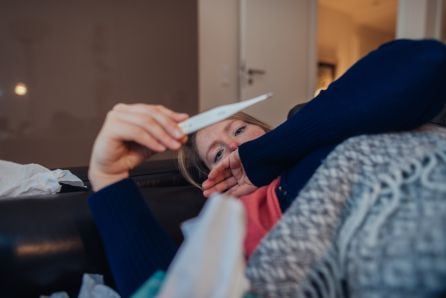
[[191, 166]]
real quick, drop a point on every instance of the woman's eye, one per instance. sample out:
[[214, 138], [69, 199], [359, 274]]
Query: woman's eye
[[218, 156], [239, 130]]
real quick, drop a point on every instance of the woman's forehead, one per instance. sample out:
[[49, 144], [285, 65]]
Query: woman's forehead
[[212, 132]]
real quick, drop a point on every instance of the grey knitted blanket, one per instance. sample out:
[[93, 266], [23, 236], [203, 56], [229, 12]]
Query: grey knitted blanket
[[371, 222]]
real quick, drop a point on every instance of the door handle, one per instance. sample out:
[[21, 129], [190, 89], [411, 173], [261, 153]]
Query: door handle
[[254, 71]]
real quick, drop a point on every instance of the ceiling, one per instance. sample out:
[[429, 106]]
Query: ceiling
[[377, 14]]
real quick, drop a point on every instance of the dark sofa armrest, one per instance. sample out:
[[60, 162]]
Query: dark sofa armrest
[[47, 243]]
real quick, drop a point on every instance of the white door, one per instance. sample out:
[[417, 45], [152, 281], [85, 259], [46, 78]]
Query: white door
[[277, 54]]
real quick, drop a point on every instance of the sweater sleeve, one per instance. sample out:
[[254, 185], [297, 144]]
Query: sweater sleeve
[[397, 87], [135, 244]]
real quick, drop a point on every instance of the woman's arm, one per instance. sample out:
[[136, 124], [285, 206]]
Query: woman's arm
[[399, 86], [135, 244]]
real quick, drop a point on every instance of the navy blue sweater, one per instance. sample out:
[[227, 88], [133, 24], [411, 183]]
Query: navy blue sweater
[[135, 244], [397, 87]]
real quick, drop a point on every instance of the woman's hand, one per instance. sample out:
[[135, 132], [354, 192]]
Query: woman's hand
[[228, 177], [130, 134]]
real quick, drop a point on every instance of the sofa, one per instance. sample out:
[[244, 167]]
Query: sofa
[[48, 242]]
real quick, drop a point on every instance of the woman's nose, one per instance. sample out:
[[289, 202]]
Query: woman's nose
[[233, 146]]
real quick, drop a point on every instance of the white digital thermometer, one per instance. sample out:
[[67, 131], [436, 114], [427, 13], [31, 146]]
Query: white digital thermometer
[[217, 114]]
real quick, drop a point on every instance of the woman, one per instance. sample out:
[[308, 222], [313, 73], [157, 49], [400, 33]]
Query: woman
[[397, 87]]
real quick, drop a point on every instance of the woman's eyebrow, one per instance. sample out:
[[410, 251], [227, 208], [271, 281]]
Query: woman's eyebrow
[[232, 123]]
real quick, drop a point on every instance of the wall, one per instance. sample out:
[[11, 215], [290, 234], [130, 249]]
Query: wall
[[81, 57], [420, 19], [443, 22], [369, 39], [337, 42], [218, 52], [342, 41]]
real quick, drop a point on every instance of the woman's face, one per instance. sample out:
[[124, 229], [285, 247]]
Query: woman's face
[[215, 142]]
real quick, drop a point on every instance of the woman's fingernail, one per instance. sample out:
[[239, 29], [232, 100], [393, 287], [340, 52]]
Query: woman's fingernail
[[175, 144], [183, 139], [178, 133]]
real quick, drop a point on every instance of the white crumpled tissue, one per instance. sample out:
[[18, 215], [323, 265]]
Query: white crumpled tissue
[[32, 179], [92, 287], [210, 262]]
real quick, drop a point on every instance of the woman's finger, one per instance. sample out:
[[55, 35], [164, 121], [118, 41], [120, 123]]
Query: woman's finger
[[136, 155], [175, 115], [121, 130], [208, 183], [151, 126], [156, 111], [220, 170], [169, 125], [241, 190], [168, 119], [221, 187]]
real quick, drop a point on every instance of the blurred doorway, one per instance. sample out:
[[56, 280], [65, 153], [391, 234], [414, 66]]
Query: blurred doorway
[[349, 29]]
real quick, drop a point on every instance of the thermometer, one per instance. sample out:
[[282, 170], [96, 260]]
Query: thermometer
[[217, 114]]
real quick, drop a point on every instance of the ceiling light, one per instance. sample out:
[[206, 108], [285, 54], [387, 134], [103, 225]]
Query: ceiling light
[[20, 89]]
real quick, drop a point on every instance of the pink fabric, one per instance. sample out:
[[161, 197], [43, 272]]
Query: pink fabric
[[262, 212]]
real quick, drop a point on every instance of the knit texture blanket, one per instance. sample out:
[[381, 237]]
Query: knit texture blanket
[[371, 222]]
